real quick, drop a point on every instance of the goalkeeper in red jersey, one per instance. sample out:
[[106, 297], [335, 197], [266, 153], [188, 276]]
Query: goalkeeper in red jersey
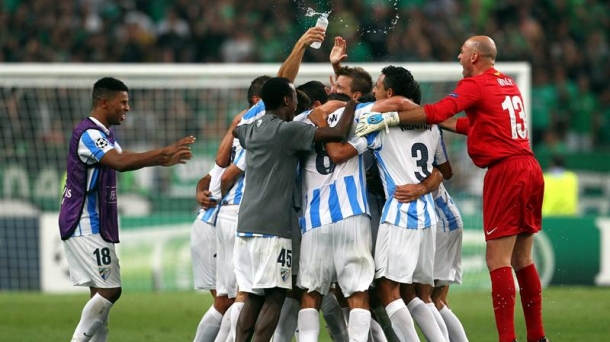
[[513, 189]]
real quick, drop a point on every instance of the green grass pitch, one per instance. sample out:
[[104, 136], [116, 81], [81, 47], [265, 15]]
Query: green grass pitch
[[570, 314]]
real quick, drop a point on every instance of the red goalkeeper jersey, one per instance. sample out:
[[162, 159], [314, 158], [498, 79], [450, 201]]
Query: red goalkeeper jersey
[[496, 116]]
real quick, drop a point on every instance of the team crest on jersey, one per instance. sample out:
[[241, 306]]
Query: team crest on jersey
[[259, 122], [285, 273], [104, 272], [101, 143]]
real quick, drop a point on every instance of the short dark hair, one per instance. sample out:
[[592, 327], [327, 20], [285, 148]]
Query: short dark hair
[[106, 87], [402, 82], [361, 79], [255, 87], [304, 101], [370, 97], [315, 90], [274, 91]]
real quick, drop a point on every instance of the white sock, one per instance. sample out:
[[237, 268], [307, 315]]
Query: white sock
[[358, 325], [454, 326], [309, 325], [237, 306], [376, 334], [208, 326], [385, 323], [333, 316], [439, 320], [287, 325], [401, 321], [425, 320], [94, 315], [102, 333], [225, 326]]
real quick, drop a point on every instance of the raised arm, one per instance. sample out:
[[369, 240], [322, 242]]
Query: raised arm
[[178, 152], [290, 67], [223, 155], [338, 54]]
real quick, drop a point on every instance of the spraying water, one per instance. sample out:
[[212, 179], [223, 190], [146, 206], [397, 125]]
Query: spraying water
[[310, 12]]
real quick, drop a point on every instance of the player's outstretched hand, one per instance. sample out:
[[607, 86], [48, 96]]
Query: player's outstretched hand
[[372, 122], [178, 152], [339, 52]]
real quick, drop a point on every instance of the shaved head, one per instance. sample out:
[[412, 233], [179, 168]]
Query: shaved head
[[483, 45], [477, 55]]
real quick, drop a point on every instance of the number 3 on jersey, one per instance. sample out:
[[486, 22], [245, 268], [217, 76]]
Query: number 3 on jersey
[[514, 105]]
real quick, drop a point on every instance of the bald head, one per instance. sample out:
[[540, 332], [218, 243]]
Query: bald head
[[484, 46]]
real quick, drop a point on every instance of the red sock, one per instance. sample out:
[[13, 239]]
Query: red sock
[[531, 300], [503, 299]]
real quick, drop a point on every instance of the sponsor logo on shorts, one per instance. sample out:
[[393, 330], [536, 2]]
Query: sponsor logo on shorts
[[285, 273], [104, 272]]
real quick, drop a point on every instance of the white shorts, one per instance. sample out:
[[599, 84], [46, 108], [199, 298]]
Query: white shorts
[[448, 257], [203, 255], [263, 263], [405, 255], [339, 252], [93, 262], [226, 226]]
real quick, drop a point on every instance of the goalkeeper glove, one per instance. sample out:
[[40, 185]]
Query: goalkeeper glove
[[372, 122]]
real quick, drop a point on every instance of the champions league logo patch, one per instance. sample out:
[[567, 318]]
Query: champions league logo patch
[[285, 273], [101, 143], [104, 272]]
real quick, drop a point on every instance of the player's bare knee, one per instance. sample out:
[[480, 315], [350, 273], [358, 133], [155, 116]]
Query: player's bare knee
[[519, 262], [222, 303], [112, 294], [311, 300], [359, 300]]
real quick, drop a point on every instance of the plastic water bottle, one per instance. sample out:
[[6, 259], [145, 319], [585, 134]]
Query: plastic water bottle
[[323, 23]]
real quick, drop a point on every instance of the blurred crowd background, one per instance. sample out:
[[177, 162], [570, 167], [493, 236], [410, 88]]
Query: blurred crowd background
[[566, 42]]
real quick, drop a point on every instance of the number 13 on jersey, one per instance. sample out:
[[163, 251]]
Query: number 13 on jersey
[[518, 125]]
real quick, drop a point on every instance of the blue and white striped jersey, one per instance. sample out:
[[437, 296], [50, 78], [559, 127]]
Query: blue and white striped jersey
[[92, 146], [405, 155], [252, 114], [236, 193], [238, 156], [449, 217], [332, 192]]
